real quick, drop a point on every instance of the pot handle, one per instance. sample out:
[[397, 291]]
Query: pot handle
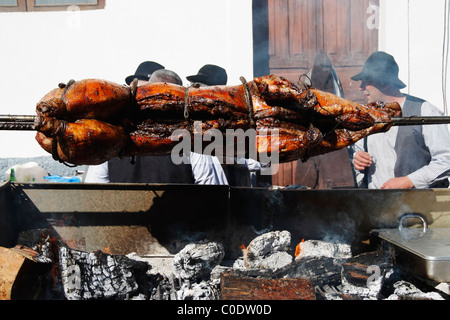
[[412, 216]]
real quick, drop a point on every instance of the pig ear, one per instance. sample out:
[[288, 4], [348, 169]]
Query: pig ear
[[51, 103], [66, 86], [54, 107]]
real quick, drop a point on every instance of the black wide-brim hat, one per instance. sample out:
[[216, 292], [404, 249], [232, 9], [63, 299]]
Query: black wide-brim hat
[[144, 71], [210, 75], [381, 68]]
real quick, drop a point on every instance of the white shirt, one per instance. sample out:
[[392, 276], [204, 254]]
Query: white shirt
[[207, 169], [97, 174], [381, 147]]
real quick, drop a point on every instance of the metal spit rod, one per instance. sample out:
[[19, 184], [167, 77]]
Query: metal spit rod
[[415, 120], [17, 122], [26, 122]]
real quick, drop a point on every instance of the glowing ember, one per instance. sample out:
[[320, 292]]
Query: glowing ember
[[245, 253], [298, 249]]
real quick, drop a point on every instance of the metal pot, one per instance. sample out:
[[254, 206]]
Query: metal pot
[[424, 251]]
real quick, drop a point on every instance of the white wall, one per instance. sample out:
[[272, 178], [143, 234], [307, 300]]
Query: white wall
[[412, 31], [41, 49]]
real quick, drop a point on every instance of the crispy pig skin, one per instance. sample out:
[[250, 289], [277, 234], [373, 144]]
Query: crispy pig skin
[[212, 102], [85, 99], [99, 120], [165, 100], [83, 142], [329, 122]]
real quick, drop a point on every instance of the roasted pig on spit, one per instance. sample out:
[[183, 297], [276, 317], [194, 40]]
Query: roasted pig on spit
[[91, 121]]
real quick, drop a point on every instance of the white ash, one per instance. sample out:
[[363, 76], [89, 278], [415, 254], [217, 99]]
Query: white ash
[[318, 248], [329, 292], [268, 243], [96, 275], [443, 287], [204, 290], [195, 261], [268, 252], [38, 240], [193, 266], [275, 263], [366, 274], [320, 261], [158, 264], [370, 291], [407, 291]]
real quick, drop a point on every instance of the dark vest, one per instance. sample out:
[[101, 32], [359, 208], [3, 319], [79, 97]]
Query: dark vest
[[412, 153], [154, 169]]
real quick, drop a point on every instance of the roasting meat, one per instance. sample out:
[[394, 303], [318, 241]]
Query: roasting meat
[[92, 121], [86, 99]]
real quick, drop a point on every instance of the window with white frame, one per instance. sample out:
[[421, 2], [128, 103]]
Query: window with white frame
[[49, 5]]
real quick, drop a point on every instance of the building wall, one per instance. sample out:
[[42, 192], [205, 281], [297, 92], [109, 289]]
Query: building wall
[[413, 31], [41, 49]]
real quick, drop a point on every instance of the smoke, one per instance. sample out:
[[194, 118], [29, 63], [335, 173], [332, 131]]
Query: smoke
[[343, 229], [260, 38]]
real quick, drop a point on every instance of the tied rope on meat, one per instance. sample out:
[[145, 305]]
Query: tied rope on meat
[[91, 121]]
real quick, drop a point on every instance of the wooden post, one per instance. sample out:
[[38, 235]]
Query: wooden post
[[10, 264]]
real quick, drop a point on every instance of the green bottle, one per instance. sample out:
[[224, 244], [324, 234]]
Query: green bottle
[[12, 176]]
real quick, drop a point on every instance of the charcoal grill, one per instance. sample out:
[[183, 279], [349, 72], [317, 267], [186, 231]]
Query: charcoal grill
[[162, 218]]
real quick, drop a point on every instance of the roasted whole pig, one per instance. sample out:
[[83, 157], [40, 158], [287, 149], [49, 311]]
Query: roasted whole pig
[[91, 121]]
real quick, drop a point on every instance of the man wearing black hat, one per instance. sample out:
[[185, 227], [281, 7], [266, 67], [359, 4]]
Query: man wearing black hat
[[205, 168], [403, 157], [144, 72], [210, 75]]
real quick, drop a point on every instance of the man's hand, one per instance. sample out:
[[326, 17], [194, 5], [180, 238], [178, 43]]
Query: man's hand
[[398, 183], [362, 160]]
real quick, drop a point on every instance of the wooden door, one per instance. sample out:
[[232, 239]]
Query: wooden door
[[299, 29]]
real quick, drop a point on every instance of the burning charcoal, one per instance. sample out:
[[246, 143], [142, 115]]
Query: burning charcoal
[[407, 291], [267, 252], [41, 241], [317, 248], [205, 290], [268, 243], [161, 287], [320, 261], [195, 261], [363, 276], [97, 275], [319, 270], [274, 264], [217, 272], [160, 275], [328, 292]]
